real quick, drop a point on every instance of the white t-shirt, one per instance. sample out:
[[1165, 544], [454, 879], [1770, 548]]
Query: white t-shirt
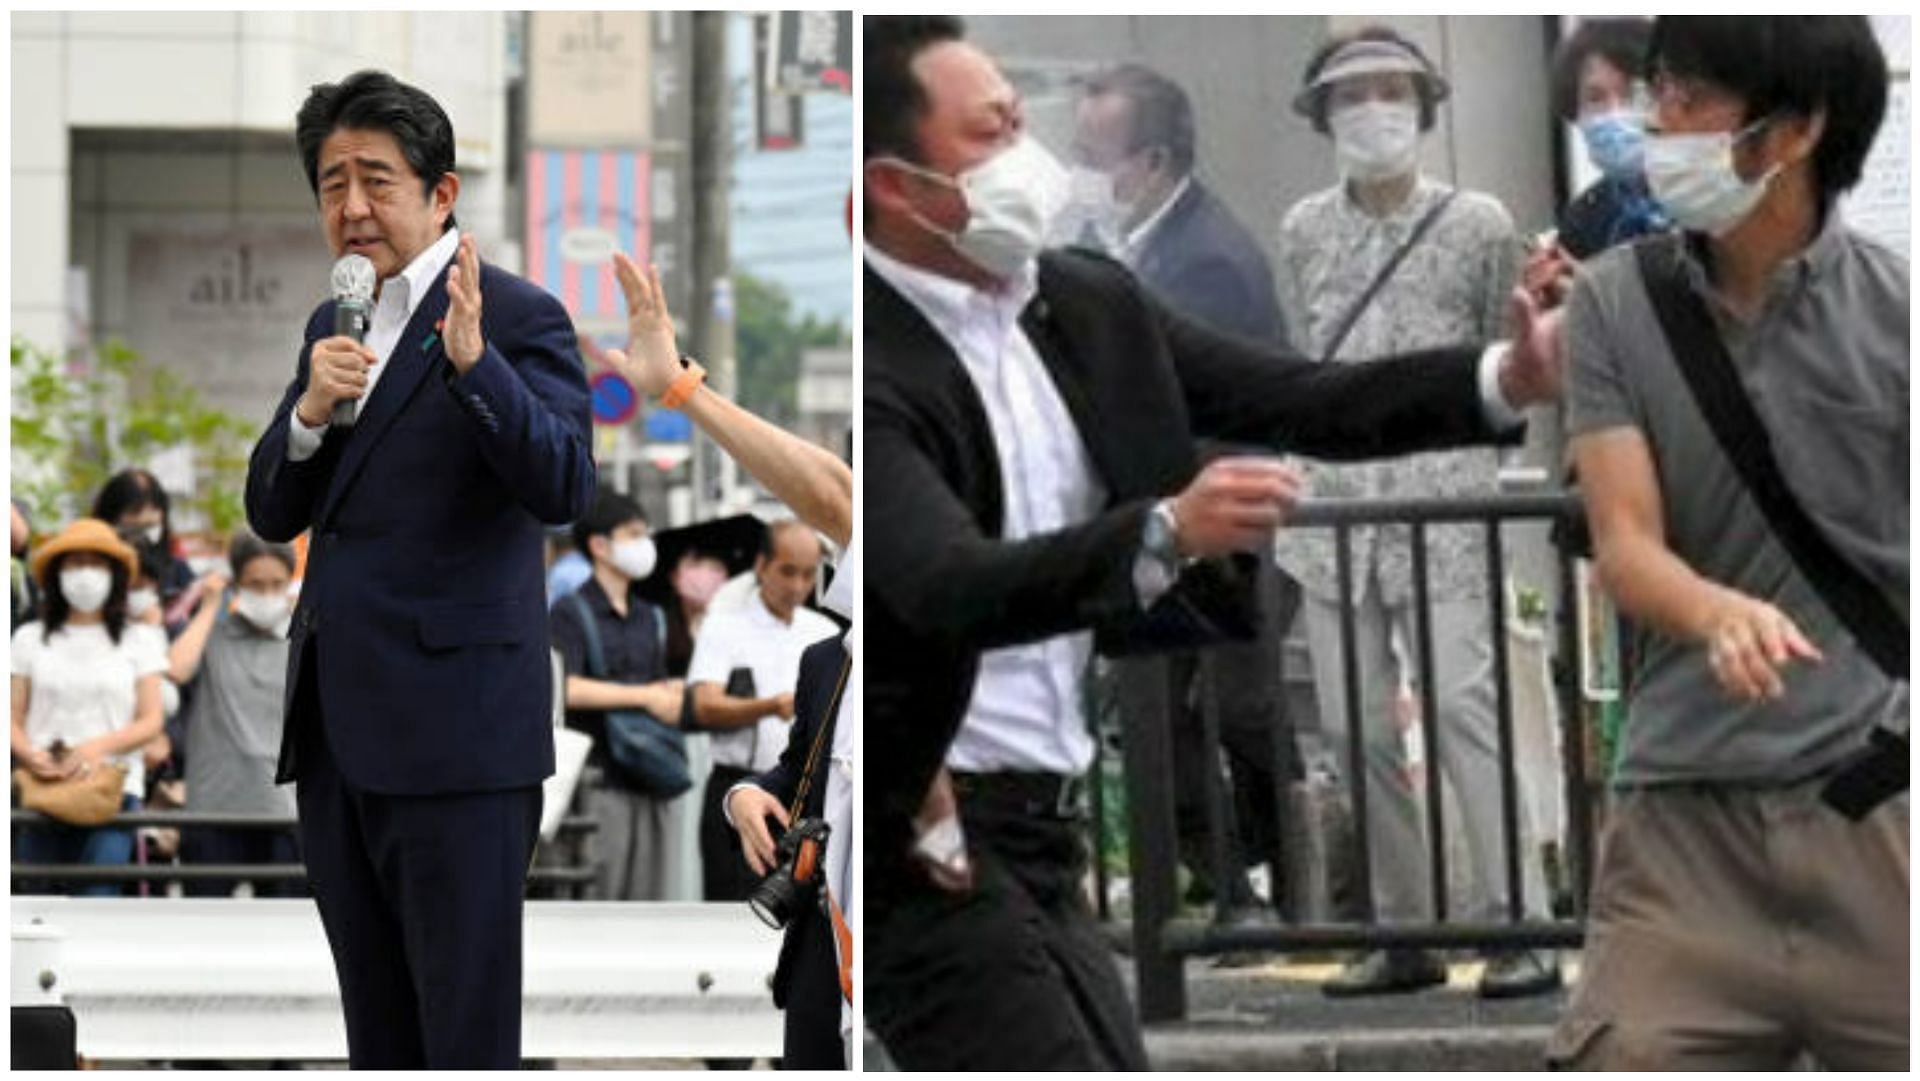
[[750, 636], [82, 686]]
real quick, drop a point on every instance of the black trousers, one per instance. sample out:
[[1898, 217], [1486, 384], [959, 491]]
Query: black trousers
[[1257, 739], [724, 874], [422, 900], [812, 1000], [1014, 975], [235, 846]]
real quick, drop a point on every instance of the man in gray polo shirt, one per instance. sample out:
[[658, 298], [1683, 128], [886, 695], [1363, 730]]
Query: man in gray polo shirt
[[1737, 921]]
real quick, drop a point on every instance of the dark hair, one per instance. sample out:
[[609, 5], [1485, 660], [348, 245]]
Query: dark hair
[[609, 512], [1622, 43], [894, 99], [244, 548], [376, 101], [1795, 64], [1427, 87], [1162, 115], [133, 490], [54, 608]]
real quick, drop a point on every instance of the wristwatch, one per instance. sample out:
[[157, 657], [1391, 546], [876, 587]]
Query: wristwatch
[[1159, 564]]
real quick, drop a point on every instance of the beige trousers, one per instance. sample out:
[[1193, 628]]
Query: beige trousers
[[1739, 928]]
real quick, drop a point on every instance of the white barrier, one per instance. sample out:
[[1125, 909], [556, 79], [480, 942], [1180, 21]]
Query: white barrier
[[253, 979]]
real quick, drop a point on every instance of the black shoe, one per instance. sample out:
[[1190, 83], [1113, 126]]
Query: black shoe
[[1385, 972], [1519, 973]]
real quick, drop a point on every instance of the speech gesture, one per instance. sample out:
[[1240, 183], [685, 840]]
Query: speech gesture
[[462, 332], [651, 360]]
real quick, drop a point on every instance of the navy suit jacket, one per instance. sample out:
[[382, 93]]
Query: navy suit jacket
[[425, 591], [1204, 264]]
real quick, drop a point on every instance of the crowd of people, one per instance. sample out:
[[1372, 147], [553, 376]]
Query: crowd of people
[[1080, 377]]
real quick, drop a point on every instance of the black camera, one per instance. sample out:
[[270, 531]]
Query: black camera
[[798, 863]]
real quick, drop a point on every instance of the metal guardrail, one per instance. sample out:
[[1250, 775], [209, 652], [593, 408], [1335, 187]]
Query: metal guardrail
[[1162, 940], [574, 876]]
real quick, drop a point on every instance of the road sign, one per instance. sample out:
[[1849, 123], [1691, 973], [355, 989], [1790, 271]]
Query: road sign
[[614, 399]]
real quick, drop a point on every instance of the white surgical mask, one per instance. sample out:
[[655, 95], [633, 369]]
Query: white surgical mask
[[263, 610], [635, 558], [1092, 208], [86, 588], [1376, 140], [154, 533], [1012, 200], [141, 601], [1692, 175]]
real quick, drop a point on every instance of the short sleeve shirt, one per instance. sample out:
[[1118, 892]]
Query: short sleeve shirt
[[750, 636], [1825, 364], [634, 646], [82, 685]]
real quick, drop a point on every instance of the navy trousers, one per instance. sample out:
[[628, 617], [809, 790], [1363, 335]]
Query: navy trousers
[[422, 899]]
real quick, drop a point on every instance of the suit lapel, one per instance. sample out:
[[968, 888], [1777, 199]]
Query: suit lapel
[[414, 355]]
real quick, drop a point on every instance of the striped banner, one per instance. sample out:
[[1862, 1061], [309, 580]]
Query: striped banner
[[582, 206]]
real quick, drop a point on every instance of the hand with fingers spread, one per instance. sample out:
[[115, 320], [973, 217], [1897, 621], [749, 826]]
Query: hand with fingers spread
[[1234, 505], [651, 360], [1750, 643], [465, 344], [336, 372], [750, 808]]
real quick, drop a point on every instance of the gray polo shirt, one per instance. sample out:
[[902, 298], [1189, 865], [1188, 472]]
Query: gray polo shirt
[[1825, 363]]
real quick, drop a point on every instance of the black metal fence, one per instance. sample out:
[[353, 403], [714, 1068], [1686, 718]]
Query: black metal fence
[[1162, 940], [571, 876]]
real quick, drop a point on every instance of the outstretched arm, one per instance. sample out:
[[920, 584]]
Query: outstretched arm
[[803, 475]]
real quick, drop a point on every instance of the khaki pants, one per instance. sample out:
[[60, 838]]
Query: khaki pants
[[1737, 928]]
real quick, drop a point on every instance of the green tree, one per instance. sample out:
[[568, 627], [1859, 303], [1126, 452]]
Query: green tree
[[71, 431], [769, 339]]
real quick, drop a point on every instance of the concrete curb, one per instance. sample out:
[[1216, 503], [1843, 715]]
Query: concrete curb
[[1515, 1048]]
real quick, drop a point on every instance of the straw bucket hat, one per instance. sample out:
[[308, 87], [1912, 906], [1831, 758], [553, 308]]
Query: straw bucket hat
[[84, 535]]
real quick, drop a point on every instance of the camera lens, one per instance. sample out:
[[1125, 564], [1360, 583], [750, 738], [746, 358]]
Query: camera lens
[[772, 900]]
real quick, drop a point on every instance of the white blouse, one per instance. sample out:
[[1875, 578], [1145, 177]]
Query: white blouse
[[82, 685]]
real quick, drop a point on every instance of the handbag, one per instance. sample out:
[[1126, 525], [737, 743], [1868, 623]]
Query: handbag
[[92, 800], [1879, 770], [649, 754]]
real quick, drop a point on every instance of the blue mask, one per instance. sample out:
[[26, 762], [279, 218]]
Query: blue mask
[[1615, 142]]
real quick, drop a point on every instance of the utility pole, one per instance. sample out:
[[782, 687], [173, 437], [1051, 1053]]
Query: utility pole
[[712, 168]]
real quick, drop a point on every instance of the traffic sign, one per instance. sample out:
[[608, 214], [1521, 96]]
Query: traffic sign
[[614, 399]]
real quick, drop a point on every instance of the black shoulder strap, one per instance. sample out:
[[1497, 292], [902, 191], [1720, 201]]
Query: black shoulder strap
[[596, 656], [1862, 607], [1352, 315]]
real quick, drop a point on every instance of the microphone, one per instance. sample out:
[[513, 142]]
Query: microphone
[[353, 280]]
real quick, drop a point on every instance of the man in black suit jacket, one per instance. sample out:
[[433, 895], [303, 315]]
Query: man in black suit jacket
[[1031, 461], [806, 981]]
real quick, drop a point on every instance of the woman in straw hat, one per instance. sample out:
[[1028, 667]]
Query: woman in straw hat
[[83, 685]]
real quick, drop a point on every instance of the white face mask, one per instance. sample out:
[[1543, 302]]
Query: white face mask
[[1376, 140], [635, 558], [154, 533], [1092, 208], [1693, 177], [1012, 200], [86, 588], [263, 610], [141, 601]]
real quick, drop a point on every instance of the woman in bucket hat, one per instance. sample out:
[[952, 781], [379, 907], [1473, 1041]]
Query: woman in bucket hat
[[86, 695]]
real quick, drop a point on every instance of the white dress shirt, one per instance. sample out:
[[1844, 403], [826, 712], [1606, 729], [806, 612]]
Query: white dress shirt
[[752, 637], [400, 297], [1137, 237], [1025, 713]]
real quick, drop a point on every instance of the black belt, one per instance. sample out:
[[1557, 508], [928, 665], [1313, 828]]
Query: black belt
[[1046, 795]]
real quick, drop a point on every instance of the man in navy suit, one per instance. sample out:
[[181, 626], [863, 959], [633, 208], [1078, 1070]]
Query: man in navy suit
[[1136, 127], [418, 681]]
